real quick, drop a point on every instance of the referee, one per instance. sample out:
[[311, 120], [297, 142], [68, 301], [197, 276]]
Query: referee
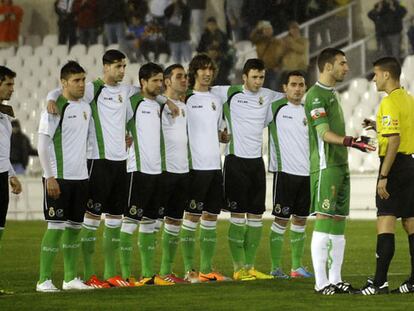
[[395, 186]]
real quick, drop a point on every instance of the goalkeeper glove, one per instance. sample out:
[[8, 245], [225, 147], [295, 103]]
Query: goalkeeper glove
[[361, 143]]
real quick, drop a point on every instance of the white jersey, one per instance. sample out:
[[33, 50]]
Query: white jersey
[[144, 155], [247, 114], [109, 115], [289, 139], [175, 139], [5, 136], [204, 111], [69, 135]]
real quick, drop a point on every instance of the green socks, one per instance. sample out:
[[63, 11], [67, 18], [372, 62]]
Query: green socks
[[187, 240], [111, 246], [169, 247], [236, 234], [276, 244], [70, 248], [125, 247], [297, 243], [88, 240], [48, 250], [252, 240], [1, 233], [208, 239], [146, 245]]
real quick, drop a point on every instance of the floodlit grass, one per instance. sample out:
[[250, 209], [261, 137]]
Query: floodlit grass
[[19, 265]]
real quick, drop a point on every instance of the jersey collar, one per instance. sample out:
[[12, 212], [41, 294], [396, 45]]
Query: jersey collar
[[321, 85]]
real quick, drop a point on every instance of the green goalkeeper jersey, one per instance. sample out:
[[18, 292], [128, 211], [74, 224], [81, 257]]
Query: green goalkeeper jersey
[[322, 106]]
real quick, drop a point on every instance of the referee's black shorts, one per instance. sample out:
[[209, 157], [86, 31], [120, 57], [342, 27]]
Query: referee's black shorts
[[245, 185], [400, 186]]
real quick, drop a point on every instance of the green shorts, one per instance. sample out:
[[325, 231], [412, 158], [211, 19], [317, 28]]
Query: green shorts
[[330, 191]]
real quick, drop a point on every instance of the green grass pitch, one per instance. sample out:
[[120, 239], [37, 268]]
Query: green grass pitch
[[19, 264]]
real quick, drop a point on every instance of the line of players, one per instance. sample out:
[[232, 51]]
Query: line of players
[[171, 162], [167, 169]]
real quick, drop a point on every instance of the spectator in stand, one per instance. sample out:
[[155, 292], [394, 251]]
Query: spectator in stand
[[223, 62], [270, 50], [212, 35], [85, 15], [157, 8], [153, 42], [66, 22], [387, 16], [198, 9], [178, 17], [10, 18], [20, 149], [233, 19], [113, 15], [296, 50], [410, 34], [134, 36]]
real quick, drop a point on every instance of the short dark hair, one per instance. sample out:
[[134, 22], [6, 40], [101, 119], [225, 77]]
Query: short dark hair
[[70, 68], [328, 56], [293, 73], [390, 64], [200, 61], [253, 64], [112, 56], [168, 71], [6, 72], [149, 70]]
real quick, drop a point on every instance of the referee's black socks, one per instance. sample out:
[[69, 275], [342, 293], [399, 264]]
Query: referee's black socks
[[385, 252], [411, 247]]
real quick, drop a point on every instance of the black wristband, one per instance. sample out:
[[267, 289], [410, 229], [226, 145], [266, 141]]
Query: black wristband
[[382, 177]]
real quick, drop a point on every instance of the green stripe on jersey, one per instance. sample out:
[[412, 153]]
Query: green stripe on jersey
[[163, 155], [273, 136], [190, 160], [61, 102], [227, 115], [135, 100], [97, 87]]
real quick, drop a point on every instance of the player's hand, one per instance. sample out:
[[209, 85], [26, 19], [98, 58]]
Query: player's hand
[[16, 186], [52, 107], [175, 111], [52, 188], [128, 140], [369, 124], [382, 189], [224, 137], [361, 143]]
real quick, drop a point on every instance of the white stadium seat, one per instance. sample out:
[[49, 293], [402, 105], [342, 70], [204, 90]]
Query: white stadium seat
[[50, 40], [24, 51], [359, 86], [42, 51], [7, 52], [97, 50]]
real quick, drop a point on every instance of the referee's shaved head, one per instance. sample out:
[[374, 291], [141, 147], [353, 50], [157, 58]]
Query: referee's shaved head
[[391, 65]]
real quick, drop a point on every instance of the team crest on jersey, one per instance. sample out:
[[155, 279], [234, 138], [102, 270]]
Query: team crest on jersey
[[85, 116], [261, 100], [213, 106], [326, 204], [183, 113], [120, 98], [386, 120], [133, 210], [305, 121], [52, 212]]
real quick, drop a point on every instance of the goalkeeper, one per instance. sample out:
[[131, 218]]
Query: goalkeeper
[[329, 172]]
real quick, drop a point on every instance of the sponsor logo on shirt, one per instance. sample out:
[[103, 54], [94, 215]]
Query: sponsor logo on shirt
[[72, 117], [242, 101], [197, 106], [287, 117], [318, 113], [108, 98], [316, 101]]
